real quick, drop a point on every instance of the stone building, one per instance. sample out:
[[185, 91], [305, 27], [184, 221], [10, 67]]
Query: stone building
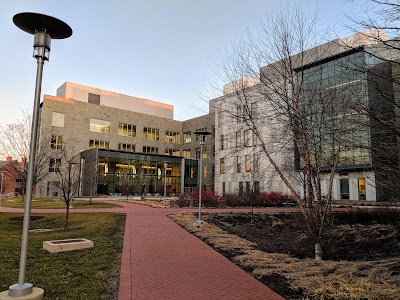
[[95, 120]]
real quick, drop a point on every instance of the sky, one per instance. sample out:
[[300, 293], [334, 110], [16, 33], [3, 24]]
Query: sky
[[164, 50]]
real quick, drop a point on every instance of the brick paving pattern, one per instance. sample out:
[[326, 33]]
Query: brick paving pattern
[[160, 260]]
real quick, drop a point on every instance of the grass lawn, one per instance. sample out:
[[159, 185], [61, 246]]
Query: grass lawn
[[54, 203], [82, 274]]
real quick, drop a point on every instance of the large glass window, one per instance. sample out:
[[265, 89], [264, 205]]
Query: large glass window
[[151, 133], [186, 153], [187, 138], [126, 147], [54, 165], [222, 139], [172, 152], [222, 166], [238, 165], [102, 126], [57, 119], [238, 139], [326, 90], [149, 149], [56, 142], [99, 144], [248, 163], [126, 130], [172, 137]]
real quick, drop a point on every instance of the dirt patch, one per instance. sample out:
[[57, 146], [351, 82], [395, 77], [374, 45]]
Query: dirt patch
[[361, 252]]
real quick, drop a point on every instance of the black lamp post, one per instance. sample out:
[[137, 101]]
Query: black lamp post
[[43, 28]]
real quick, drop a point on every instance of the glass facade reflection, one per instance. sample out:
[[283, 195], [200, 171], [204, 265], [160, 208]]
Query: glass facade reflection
[[140, 174], [329, 92]]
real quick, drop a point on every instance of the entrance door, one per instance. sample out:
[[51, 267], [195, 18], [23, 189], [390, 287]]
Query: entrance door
[[361, 189], [344, 189]]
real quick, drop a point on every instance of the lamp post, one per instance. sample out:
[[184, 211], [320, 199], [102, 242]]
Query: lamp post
[[202, 135], [43, 28], [165, 182]]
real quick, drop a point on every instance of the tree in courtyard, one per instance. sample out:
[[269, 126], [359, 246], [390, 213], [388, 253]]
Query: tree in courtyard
[[126, 186], [301, 120], [67, 172], [15, 142]]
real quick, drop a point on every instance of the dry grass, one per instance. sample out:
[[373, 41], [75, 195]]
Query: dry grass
[[378, 279], [157, 202]]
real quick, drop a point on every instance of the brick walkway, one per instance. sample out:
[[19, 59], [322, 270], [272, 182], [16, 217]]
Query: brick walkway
[[160, 260]]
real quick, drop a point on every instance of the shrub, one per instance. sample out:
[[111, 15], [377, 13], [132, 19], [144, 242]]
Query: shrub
[[267, 199], [236, 200], [208, 199]]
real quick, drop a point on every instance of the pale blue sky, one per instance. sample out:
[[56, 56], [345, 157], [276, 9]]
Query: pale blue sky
[[154, 49]]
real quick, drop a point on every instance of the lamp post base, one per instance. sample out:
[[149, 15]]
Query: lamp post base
[[36, 294]]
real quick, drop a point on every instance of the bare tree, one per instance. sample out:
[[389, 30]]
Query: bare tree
[[67, 171], [126, 186], [15, 141], [301, 121]]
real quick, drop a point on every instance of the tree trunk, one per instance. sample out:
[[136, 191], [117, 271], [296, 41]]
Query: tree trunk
[[318, 251], [66, 218]]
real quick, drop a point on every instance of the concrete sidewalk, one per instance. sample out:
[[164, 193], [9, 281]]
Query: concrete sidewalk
[[161, 260]]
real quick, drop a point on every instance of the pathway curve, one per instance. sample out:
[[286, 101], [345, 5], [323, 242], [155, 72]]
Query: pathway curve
[[160, 260]]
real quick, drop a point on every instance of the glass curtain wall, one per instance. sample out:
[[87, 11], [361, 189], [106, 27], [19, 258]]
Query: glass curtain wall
[[138, 174], [329, 93]]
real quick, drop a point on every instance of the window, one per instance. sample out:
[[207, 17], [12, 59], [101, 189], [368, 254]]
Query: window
[[56, 142], [102, 126], [187, 137], [186, 153], [254, 139], [126, 129], [172, 137], [99, 144], [238, 166], [253, 110], [222, 141], [240, 187], [198, 150], [205, 171], [256, 187], [248, 188], [205, 155], [200, 129], [222, 166], [255, 163], [239, 113], [223, 188], [57, 120], [126, 147], [54, 165], [248, 163], [151, 133], [361, 189], [149, 149], [172, 152], [246, 137], [238, 139]]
